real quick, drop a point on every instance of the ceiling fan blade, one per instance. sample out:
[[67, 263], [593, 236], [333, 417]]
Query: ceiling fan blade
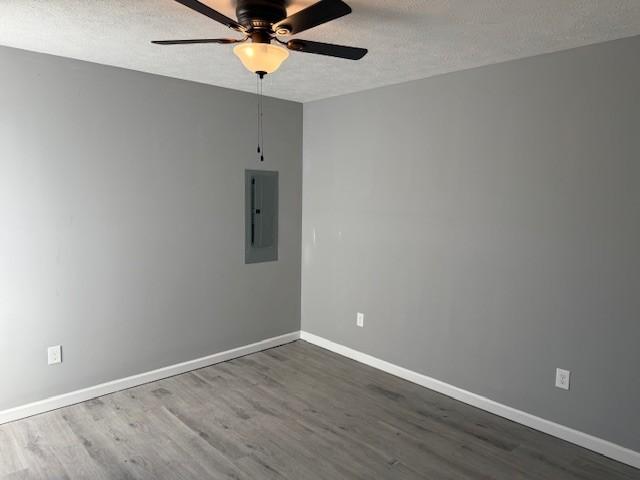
[[211, 13], [340, 51], [198, 40], [314, 15]]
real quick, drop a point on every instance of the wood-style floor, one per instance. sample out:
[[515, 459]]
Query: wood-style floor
[[296, 412]]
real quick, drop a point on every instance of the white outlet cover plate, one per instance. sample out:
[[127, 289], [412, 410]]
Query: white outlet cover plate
[[563, 378], [54, 354], [360, 319]]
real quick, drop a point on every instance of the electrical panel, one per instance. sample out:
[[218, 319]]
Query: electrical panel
[[261, 216]]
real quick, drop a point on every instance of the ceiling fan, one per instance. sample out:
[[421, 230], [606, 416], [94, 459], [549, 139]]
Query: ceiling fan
[[263, 22]]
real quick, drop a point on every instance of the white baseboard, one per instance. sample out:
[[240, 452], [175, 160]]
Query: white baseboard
[[71, 398], [582, 439], [604, 447]]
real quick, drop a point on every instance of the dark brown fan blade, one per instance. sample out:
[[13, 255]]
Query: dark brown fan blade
[[199, 40], [340, 51], [211, 13], [317, 14]]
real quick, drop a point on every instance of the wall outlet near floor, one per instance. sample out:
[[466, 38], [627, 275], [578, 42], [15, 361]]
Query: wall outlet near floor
[[54, 354], [360, 320], [562, 378]]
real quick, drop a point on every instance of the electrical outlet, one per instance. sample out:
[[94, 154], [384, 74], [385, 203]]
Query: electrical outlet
[[360, 320], [54, 354], [562, 378]]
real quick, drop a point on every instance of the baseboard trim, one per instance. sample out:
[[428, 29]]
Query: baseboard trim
[[604, 447], [77, 396]]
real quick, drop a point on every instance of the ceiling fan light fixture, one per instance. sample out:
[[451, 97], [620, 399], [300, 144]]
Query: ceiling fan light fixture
[[261, 57]]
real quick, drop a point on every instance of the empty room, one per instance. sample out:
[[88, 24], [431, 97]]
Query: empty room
[[320, 239]]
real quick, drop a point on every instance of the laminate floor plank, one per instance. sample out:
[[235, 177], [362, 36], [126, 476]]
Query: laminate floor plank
[[12, 458], [296, 412]]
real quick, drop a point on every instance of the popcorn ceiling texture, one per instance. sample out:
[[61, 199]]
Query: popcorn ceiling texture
[[407, 40]]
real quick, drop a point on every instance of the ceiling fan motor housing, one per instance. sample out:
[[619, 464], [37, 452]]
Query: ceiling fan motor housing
[[260, 14]]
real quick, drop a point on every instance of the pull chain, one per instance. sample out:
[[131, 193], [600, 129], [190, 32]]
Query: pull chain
[[258, 110], [259, 77]]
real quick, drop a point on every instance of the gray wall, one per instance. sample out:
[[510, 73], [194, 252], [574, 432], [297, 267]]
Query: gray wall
[[487, 223], [122, 223]]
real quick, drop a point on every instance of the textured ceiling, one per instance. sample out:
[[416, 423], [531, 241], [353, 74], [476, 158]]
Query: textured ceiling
[[406, 39]]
